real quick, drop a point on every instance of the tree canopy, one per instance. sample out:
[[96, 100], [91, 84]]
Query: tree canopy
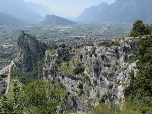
[[37, 97], [139, 28]]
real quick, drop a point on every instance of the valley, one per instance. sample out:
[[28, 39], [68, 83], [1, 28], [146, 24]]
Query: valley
[[86, 75], [59, 34], [101, 63]]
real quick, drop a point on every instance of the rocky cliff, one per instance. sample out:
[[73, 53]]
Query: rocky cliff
[[52, 19], [29, 52], [106, 72]]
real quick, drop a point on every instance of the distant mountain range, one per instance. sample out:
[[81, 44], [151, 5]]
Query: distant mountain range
[[56, 20], [125, 11], [19, 9], [6, 19], [41, 9]]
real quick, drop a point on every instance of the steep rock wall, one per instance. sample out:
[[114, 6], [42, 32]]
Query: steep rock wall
[[29, 52]]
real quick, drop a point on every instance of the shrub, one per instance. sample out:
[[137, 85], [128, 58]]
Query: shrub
[[107, 65], [80, 86], [95, 55], [62, 45], [116, 50], [116, 44], [81, 92], [81, 56], [78, 69], [106, 44], [103, 56]]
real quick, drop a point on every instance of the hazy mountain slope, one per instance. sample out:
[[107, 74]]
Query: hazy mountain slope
[[120, 11], [18, 8], [9, 20], [52, 19], [92, 13], [40, 9]]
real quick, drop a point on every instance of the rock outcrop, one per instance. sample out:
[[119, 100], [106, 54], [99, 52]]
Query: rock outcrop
[[106, 71], [29, 52], [52, 19]]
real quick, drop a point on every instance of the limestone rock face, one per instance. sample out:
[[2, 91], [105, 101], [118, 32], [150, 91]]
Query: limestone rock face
[[29, 52], [106, 70]]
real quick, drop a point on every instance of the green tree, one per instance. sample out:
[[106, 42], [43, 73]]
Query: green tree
[[41, 98], [140, 90], [78, 69], [139, 28], [15, 105], [81, 56]]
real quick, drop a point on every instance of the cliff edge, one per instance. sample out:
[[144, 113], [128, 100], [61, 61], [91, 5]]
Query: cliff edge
[[30, 51]]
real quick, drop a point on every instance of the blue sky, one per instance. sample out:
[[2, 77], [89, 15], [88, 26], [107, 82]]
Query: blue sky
[[70, 8]]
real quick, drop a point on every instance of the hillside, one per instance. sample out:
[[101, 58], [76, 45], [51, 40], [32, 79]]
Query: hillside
[[52, 19], [9, 20], [120, 11], [18, 8]]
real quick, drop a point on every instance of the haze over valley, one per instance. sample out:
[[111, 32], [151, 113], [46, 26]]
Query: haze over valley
[[76, 56]]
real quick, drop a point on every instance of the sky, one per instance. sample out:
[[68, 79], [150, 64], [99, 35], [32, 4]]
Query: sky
[[70, 8]]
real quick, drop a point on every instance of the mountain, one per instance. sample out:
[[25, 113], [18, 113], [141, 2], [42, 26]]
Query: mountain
[[40, 9], [52, 19], [9, 20], [18, 8], [120, 11]]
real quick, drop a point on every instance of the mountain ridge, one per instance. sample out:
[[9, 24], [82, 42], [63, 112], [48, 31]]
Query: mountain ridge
[[119, 11], [40, 8], [9, 20], [53, 19], [19, 9]]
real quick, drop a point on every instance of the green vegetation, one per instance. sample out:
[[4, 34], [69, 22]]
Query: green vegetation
[[80, 86], [78, 69], [62, 46], [108, 44], [36, 97], [107, 65], [114, 109], [139, 93], [103, 56], [42, 97], [140, 28], [81, 56], [35, 73], [117, 30], [63, 57], [106, 109], [67, 68]]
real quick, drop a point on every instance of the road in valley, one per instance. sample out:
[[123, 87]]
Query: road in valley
[[8, 79]]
